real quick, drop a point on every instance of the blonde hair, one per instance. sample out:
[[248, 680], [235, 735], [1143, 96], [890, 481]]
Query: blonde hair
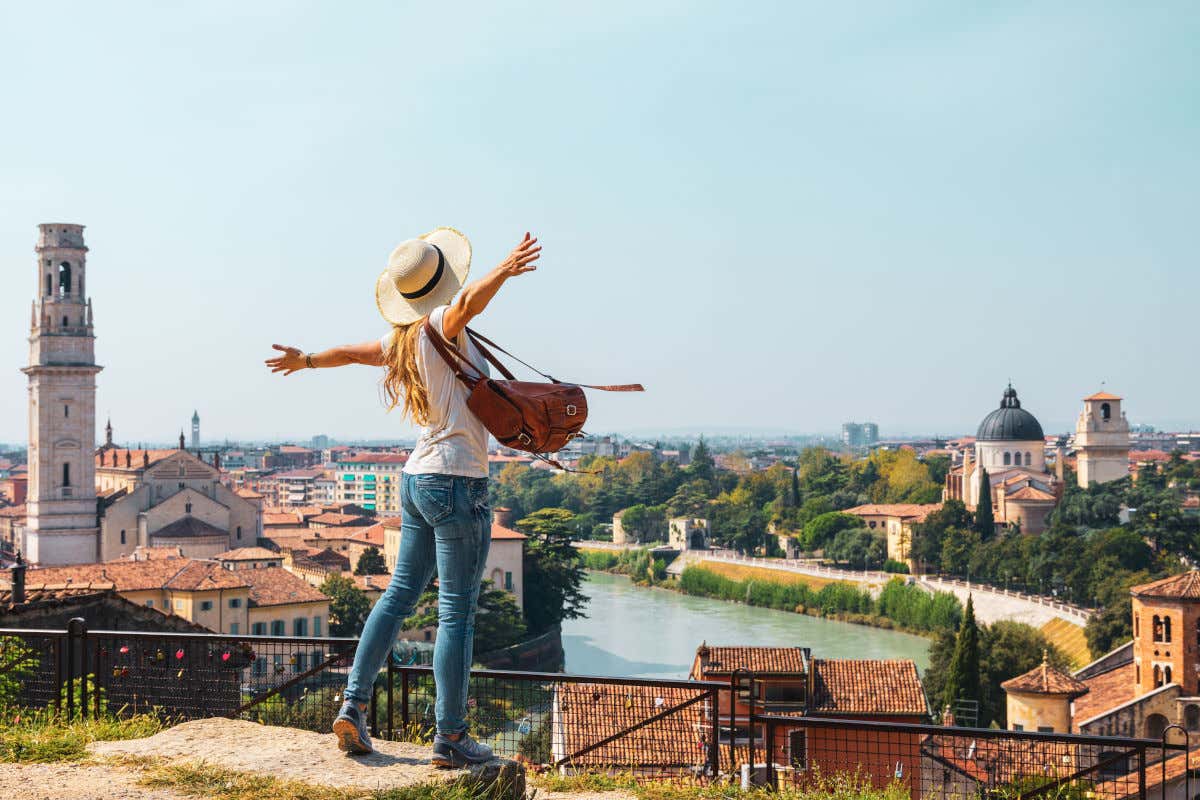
[[402, 383]]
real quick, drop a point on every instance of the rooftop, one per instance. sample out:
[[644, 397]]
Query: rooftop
[[760, 660], [1046, 679], [275, 586], [1177, 587], [888, 687]]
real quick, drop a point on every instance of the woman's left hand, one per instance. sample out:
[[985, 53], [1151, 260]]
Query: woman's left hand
[[291, 361]]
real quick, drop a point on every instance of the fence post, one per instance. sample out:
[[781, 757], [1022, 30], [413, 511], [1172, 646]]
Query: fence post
[[404, 700], [1142, 772], [714, 745], [76, 628], [391, 675], [769, 759]]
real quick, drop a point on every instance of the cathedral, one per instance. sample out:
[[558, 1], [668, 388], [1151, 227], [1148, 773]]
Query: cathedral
[[84, 504], [1010, 448]]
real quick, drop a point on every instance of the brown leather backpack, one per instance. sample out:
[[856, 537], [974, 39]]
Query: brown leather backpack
[[535, 417]]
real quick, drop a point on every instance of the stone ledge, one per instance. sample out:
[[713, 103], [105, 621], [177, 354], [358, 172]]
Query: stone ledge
[[293, 754]]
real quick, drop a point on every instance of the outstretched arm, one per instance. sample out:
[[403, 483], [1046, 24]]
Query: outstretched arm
[[478, 294], [294, 360]]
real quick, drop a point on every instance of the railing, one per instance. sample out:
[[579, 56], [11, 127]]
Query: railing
[[702, 730]]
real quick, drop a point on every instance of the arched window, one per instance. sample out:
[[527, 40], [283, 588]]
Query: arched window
[[1167, 630], [66, 411], [66, 473], [1137, 627], [64, 279], [66, 322], [49, 284], [1007, 458], [1157, 676], [1167, 674], [1157, 629], [1191, 717], [1155, 725], [1029, 459], [1105, 411], [122, 536]]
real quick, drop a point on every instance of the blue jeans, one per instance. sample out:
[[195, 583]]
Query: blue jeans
[[447, 524]]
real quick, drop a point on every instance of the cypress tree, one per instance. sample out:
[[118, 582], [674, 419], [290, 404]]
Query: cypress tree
[[985, 519], [962, 676]]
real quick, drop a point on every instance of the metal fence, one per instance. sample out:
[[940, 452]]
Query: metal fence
[[696, 730]]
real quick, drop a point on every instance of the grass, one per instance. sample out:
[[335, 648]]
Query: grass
[[740, 572], [837, 787], [212, 783], [1069, 638], [41, 737]]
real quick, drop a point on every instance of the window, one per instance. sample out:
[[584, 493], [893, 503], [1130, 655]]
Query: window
[[1157, 676], [66, 408], [259, 629], [316, 626], [278, 628], [233, 628], [1045, 729], [1167, 630], [206, 605], [1157, 627], [64, 279], [428, 636], [1105, 412], [49, 284], [508, 582], [66, 474], [1191, 717], [300, 662], [149, 604], [1029, 459], [178, 605], [122, 536], [1167, 674], [798, 749], [1137, 628], [300, 626], [235, 602], [1007, 458], [239, 531], [1018, 727]]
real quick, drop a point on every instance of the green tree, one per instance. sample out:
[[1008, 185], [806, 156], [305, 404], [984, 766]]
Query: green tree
[[498, 620], [370, 563], [19, 662], [703, 466], [553, 572], [348, 606], [958, 547], [822, 529], [985, 520], [962, 676]]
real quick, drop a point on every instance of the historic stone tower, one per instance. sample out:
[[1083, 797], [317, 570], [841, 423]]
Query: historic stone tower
[[195, 430], [61, 523], [1166, 630], [1101, 440]]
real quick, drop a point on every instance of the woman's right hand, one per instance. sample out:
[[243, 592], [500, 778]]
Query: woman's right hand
[[291, 361]]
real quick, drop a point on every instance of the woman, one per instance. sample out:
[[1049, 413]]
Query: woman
[[443, 491]]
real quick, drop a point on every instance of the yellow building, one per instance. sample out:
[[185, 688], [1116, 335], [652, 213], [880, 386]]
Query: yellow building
[[895, 521], [1040, 700]]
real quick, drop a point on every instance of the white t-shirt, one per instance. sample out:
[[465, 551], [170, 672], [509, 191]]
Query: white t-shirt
[[455, 442]]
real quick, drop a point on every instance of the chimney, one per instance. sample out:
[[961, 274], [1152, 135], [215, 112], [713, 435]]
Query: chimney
[[705, 655], [948, 717], [502, 516], [18, 580]]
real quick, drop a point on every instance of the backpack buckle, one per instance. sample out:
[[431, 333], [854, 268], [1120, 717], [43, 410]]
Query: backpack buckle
[[571, 409], [523, 438]]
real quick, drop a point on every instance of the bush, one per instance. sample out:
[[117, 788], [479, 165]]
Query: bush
[[896, 567]]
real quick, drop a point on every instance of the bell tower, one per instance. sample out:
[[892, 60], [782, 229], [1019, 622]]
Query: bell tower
[[61, 525], [1101, 440]]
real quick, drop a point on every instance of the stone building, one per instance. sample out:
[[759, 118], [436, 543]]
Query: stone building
[[60, 525], [1101, 440], [88, 505], [1139, 689], [1011, 447], [684, 533]]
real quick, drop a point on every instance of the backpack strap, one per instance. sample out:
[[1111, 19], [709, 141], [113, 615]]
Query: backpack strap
[[479, 339], [453, 357]]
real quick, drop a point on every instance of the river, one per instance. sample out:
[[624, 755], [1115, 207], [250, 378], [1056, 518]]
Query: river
[[640, 632]]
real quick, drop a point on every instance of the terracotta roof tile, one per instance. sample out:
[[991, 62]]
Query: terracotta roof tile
[[760, 660], [199, 576], [501, 532], [1102, 396], [137, 458], [372, 535], [1185, 586], [125, 576], [1046, 679], [275, 586], [339, 520], [919, 511], [277, 518], [867, 686], [590, 713], [1106, 691], [247, 554], [1031, 493]]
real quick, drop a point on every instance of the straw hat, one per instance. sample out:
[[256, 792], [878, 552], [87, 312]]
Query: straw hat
[[423, 274]]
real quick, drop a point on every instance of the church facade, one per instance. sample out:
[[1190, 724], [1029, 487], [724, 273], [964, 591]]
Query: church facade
[[1010, 448], [85, 504]]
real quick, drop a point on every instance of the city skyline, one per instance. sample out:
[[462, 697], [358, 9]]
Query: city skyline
[[908, 209]]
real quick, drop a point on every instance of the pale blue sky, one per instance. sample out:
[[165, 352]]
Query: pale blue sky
[[775, 216]]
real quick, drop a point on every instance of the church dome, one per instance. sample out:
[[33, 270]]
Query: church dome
[[1009, 422]]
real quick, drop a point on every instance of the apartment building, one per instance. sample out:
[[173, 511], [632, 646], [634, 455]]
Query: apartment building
[[371, 480]]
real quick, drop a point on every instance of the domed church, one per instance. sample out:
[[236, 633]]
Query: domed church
[[1011, 447]]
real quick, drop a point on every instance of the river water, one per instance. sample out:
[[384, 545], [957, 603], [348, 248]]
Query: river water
[[640, 632]]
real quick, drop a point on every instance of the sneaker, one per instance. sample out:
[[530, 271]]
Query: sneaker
[[350, 727], [459, 752]]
